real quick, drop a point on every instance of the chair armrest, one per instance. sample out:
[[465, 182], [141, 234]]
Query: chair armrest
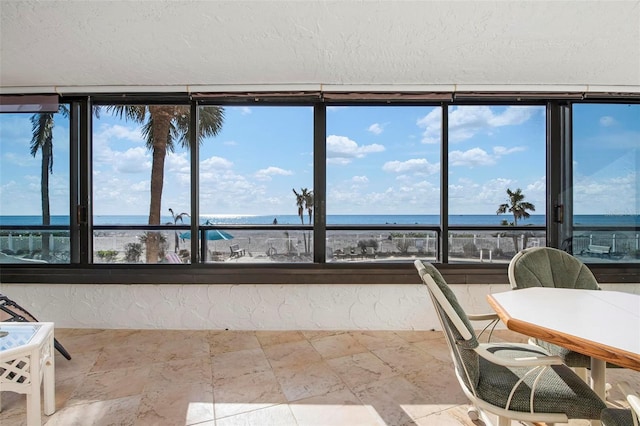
[[483, 317], [632, 398], [533, 361]]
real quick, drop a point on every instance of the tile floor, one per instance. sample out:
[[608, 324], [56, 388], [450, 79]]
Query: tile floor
[[222, 378]]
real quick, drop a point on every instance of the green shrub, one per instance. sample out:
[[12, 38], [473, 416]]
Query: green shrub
[[107, 255], [133, 252]]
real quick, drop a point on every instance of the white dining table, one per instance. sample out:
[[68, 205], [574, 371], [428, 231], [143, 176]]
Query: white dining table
[[604, 325]]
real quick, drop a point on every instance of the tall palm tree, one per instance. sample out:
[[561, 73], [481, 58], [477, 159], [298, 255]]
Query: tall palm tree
[[300, 204], [304, 200], [42, 140], [518, 207], [164, 126]]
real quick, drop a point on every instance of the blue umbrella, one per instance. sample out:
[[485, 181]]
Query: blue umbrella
[[212, 235]]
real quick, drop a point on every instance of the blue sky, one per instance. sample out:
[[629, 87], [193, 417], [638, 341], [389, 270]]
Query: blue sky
[[380, 160]]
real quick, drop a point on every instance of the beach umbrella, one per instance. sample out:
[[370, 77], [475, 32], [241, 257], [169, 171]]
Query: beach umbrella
[[212, 235]]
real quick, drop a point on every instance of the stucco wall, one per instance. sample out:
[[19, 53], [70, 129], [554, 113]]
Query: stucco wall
[[246, 307]]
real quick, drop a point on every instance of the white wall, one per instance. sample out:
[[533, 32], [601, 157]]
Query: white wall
[[82, 46], [246, 307]]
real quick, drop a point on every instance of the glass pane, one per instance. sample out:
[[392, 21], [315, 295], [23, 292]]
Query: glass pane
[[139, 180], [253, 172], [34, 182], [606, 182], [496, 176], [383, 165], [381, 246]]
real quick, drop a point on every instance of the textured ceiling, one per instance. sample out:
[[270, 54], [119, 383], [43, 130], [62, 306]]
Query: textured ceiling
[[162, 44]]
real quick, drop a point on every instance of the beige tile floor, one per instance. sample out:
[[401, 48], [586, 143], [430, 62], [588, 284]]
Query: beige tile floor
[[223, 378]]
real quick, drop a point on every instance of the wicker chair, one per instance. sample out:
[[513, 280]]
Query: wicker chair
[[550, 267], [510, 380], [620, 416]]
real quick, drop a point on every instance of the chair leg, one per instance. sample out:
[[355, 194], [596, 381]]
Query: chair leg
[[472, 412], [583, 374], [504, 421]]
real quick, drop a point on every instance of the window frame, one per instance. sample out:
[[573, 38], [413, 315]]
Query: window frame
[[319, 272]]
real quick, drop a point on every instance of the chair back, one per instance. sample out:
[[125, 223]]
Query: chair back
[[549, 267], [457, 328]]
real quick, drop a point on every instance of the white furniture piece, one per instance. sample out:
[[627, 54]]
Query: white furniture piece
[[27, 363], [604, 325]]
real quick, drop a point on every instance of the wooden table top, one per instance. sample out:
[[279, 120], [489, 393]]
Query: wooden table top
[[600, 324]]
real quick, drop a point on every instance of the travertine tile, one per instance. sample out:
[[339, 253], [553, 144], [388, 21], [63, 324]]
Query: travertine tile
[[191, 370], [405, 359], [397, 400], [158, 377], [291, 354], [270, 416], [307, 380], [247, 393], [108, 412], [378, 339], [361, 369], [238, 363], [270, 338], [110, 384], [337, 346], [179, 404], [341, 407], [231, 341]]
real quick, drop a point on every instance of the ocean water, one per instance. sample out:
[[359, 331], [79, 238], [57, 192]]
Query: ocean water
[[486, 220]]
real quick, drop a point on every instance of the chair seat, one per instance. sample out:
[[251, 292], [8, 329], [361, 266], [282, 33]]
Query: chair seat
[[616, 417], [558, 390]]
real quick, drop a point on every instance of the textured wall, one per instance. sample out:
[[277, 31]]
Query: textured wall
[[245, 307], [321, 42]]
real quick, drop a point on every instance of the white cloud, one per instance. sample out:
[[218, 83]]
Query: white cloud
[[121, 132], [134, 160], [360, 179], [245, 110], [269, 172], [471, 158], [215, 163], [432, 124], [416, 165], [607, 121], [466, 121], [342, 150], [376, 128], [479, 157], [501, 150]]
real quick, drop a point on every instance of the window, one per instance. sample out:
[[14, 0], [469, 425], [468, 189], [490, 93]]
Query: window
[[496, 179], [139, 184], [34, 187], [310, 182], [383, 168], [252, 174], [606, 182]]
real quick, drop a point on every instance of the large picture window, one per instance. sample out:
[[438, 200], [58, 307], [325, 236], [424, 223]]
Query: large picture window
[[268, 182], [141, 180], [257, 173], [496, 178], [606, 182], [34, 187]]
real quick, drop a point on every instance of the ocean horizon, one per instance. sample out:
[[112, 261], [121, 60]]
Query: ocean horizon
[[483, 220]]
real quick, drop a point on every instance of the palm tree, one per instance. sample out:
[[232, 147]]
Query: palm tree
[[518, 207], [300, 204], [308, 203], [42, 140], [304, 200], [164, 126], [176, 218]]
